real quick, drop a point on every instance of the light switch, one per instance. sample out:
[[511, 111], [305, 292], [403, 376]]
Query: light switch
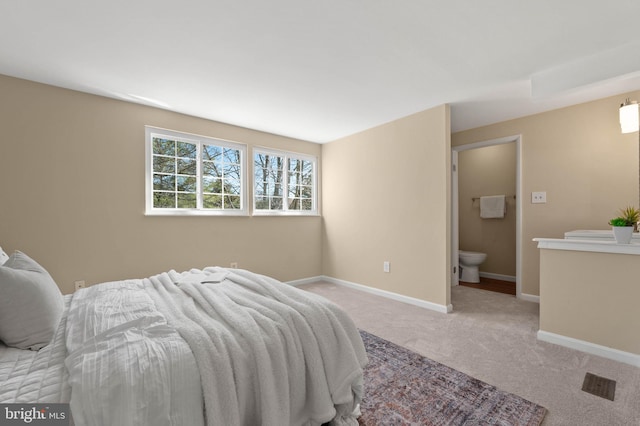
[[538, 197]]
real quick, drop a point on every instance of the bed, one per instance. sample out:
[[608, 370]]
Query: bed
[[203, 347]]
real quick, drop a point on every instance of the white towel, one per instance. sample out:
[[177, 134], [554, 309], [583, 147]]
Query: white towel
[[492, 207]]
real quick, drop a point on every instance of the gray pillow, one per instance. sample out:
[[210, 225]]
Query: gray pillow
[[31, 303], [3, 257]]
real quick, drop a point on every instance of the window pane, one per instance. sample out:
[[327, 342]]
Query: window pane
[[307, 168], [294, 179], [164, 164], [186, 149], [232, 156], [300, 204], [232, 186], [211, 152], [164, 200], [259, 175], [261, 161], [187, 201], [269, 162], [212, 185], [187, 167], [232, 202], [275, 203], [186, 183], [294, 204], [164, 182], [164, 146], [231, 170], [277, 163], [212, 201], [260, 189], [262, 203], [294, 165], [211, 169], [266, 188], [307, 173]]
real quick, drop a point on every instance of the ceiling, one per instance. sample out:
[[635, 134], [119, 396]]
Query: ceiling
[[321, 70]]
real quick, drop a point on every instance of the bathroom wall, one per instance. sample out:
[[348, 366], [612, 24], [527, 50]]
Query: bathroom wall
[[489, 170]]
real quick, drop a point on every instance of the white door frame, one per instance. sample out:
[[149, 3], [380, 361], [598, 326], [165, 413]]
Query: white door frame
[[454, 204]]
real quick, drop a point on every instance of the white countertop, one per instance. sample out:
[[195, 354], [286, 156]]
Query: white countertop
[[595, 234], [601, 245]]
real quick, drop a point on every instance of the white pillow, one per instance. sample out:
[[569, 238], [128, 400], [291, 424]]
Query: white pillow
[[3, 257], [31, 303]]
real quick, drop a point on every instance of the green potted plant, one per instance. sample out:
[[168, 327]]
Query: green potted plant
[[623, 225], [631, 214]]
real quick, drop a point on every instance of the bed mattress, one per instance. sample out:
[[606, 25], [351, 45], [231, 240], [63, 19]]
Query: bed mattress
[[28, 376]]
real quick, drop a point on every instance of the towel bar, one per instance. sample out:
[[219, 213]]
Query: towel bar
[[477, 198]]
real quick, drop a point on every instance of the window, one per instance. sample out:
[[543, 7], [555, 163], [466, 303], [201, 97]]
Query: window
[[190, 174], [284, 183]]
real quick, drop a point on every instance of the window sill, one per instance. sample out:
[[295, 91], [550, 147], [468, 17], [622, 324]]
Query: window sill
[[196, 213], [284, 214]]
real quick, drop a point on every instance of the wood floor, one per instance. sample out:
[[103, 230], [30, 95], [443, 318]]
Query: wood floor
[[499, 286]]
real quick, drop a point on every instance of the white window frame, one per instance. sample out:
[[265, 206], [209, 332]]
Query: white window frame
[[285, 211], [150, 210]]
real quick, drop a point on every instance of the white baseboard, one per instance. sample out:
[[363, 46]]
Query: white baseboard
[[529, 298], [390, 295], [590, 348], [305, 281], [500, 277], [394, 296]]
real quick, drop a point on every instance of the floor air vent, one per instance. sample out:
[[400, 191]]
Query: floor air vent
[[599, 386]]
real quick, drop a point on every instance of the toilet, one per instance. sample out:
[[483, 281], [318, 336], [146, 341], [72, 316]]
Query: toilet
[[469, 263]]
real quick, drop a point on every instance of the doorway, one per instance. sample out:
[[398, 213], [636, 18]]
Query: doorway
[[514, 202]]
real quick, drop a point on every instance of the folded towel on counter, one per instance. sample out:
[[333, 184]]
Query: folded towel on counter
[[492, 207]]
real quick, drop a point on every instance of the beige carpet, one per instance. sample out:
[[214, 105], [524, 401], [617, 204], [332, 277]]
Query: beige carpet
[[492, 337]]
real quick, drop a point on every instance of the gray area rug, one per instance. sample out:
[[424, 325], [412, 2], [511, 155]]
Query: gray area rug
[[406, 388]]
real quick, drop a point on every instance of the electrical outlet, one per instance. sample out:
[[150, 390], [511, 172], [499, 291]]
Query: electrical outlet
[[234, 265], [539, 197], [386, 266], [79, 284]]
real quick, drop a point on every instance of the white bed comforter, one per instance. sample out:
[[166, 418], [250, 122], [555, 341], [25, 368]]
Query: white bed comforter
[[250, 349]]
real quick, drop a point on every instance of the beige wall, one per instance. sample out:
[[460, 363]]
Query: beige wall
[[72, 173], [591, 297], [579, 157], [386, 197], [489, 170]]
